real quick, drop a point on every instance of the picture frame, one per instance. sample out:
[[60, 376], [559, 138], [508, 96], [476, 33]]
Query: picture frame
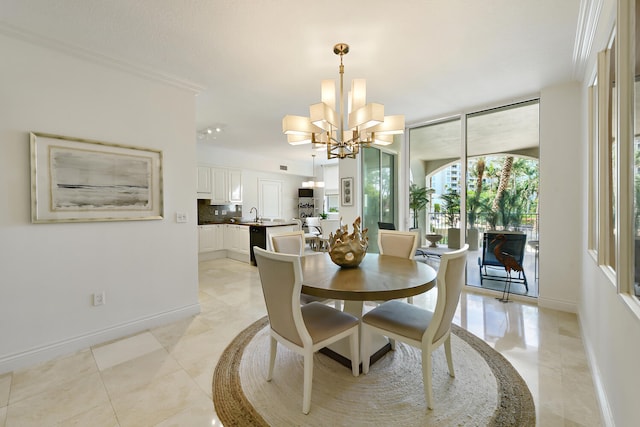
[[346, 191], [82, 180]]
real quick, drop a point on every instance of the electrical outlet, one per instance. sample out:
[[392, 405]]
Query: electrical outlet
[[99, 299], [224, 212], [181, 217], [216, 212]]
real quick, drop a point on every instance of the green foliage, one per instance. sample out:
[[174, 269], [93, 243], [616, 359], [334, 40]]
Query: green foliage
[[477, 204], [451, 206], [510, 209], [418, 199]]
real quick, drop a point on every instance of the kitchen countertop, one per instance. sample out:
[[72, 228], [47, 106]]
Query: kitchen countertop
[[254, 224]]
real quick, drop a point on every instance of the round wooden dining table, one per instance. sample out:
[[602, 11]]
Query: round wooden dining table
[[377, 278]]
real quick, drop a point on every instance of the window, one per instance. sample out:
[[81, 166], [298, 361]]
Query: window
[[614, 229], [500, 149]]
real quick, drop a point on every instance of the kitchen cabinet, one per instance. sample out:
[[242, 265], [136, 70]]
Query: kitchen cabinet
[[222, 186], [236, 238], [203, 185], [210, 238], [226, 186]]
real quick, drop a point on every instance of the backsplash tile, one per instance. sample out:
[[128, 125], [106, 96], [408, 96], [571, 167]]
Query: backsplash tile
[[207, 212]]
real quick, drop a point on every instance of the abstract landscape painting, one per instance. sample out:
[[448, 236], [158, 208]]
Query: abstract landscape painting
[[83, 180], [86, 180]]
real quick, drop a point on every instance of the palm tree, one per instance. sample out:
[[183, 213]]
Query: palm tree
[[505, 174]]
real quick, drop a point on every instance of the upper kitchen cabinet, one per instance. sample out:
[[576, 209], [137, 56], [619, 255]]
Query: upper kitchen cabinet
[[220, 185], [203, 186]]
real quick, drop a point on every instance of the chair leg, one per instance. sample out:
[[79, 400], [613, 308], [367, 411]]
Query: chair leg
[[355, 353], [410, 300], [366, 348], [426, 377], [447, 352], [308, 379], [272, 357], [337, 304]]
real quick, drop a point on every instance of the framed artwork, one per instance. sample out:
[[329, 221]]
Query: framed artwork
[[346, 191], [79, 180]]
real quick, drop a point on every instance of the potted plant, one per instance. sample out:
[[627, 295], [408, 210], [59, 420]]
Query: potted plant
[[451, 206], [473, 205], [475, 202], [418, 199]]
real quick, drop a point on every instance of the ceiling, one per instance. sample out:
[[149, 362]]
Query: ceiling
[[254, 61]]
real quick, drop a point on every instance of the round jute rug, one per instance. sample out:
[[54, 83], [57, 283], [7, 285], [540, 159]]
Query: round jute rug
[[487, 390]]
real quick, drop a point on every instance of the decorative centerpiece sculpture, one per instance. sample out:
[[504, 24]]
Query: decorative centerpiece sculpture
[[348, 250]]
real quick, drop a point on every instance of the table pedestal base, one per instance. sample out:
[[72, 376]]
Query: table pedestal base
[[340, 351], [347, 362]]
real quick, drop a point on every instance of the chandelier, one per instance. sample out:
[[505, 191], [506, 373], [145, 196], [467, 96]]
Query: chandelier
[[366, 123]]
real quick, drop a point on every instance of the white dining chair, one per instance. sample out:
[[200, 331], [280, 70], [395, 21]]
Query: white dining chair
[[402, 244], [288, 242], [292, 243], [304, 329], [417, 327]]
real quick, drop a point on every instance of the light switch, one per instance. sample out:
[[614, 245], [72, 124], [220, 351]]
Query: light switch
[[181, 217]]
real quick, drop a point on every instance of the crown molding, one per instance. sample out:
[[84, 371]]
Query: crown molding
[[585, 33], [98, 58]]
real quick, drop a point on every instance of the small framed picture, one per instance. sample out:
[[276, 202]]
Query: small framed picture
[[346, 192]]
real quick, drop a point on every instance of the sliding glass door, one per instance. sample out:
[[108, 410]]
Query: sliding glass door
[[379, 198], [493, 192]]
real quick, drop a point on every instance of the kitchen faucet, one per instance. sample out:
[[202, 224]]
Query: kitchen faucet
[[254, 209]]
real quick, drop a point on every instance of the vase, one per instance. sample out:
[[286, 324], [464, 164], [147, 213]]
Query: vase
[[434, 239], [348, 250]]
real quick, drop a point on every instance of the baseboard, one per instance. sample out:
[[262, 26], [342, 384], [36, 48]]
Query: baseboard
[[239, 256], [206, 256], [559, 305], [61, 348], [601, 395]]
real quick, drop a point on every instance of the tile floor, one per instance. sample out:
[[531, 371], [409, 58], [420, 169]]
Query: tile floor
[[162, 377]]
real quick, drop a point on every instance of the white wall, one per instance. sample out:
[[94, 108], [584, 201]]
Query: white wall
[[561, 196], [610, 327], [48, 272]]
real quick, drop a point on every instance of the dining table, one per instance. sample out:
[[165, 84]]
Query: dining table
[[377, 278]]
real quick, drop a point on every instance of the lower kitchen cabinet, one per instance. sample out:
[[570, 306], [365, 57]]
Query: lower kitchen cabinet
[[236, 242], [210, 238]]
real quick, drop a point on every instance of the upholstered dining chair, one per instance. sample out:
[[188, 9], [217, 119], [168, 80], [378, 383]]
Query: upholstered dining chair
[[292, 243], [288, 242], [420, 328], [303, 329], [402, 244]]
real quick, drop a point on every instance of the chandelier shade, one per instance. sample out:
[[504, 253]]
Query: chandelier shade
[[366, 123]]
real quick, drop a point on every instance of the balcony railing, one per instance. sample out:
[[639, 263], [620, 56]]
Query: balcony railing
[[437, 224]]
